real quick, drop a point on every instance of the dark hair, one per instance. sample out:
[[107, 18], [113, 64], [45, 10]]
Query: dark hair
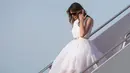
[[74, 7]]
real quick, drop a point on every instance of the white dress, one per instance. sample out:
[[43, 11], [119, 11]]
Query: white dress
[[77, 55]]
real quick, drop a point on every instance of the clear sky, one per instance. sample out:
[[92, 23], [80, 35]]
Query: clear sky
[[32, 32]]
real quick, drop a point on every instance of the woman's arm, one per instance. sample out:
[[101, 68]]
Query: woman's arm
[[84, 28]]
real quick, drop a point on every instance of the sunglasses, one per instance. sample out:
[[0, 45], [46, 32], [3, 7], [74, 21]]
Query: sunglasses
[[76, 13]]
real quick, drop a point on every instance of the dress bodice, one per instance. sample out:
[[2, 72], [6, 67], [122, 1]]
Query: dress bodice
[[76, 30]]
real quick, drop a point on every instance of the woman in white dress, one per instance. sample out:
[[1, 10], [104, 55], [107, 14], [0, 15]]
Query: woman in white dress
[[79, 53]]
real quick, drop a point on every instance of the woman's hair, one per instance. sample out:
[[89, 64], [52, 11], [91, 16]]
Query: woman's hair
[[74, 7]]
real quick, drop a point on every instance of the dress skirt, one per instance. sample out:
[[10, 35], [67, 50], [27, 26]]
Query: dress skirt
[[75, 57]]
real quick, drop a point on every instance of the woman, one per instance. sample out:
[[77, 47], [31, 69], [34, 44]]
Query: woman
[[79, 53]]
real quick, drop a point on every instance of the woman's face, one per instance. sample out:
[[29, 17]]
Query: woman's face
[[75, 14]]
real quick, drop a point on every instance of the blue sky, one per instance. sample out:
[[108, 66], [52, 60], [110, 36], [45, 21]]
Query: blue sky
[[34, 31]]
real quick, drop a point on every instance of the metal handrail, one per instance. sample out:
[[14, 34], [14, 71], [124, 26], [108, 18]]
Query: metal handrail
[[93, 34], [118, 44], [46, 68], [110, 20]]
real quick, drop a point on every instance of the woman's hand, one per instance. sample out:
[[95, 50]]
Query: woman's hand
[[81, 16]]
